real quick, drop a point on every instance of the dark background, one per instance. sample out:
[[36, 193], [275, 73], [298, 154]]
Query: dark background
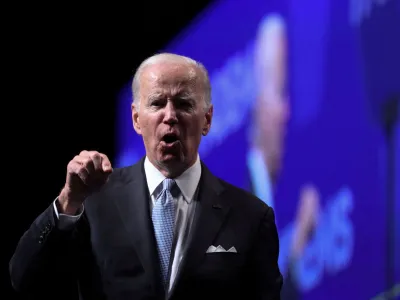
[[63, 67]]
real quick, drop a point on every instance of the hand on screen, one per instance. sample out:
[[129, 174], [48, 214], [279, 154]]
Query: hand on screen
[[307, 217]]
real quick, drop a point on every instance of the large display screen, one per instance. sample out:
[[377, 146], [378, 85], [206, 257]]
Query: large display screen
[[294, 80]]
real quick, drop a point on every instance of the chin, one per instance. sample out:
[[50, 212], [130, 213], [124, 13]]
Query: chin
[[171, 158], [172, 164]]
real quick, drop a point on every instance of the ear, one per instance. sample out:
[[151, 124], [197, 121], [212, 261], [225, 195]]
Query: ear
[[135, 119], [207, 120]]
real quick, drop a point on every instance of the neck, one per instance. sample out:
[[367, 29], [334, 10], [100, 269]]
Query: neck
[[172, 169], [269, 162]]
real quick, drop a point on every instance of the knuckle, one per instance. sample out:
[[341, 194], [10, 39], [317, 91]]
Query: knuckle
[[71, 165], [86, 161], [92, 152], [96, 155]]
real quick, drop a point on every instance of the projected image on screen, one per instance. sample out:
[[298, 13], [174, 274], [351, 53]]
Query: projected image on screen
[[397, 209], [292, 124]]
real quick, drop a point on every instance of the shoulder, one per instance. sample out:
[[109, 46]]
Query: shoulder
[[242, 199], [124, 175], [118, 179], [237, 198]]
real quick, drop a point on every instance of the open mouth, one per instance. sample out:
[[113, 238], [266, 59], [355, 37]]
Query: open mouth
[[170, 138]]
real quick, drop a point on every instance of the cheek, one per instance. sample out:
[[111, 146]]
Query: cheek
[[149, 122], [148, 130], [192, 128]]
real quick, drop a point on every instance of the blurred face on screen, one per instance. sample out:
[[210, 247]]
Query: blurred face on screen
[[171, 116], [272, 110]]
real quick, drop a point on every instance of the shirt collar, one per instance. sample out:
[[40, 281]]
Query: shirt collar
[[187, 181]]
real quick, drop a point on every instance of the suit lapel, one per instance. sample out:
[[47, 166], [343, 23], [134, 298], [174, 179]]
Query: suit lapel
[[134, 208], [211, 211]]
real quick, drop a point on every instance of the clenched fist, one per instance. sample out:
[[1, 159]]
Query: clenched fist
[[86, 173]]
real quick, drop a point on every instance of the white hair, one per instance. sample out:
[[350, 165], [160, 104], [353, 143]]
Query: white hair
[[174, 58], [271, 30]]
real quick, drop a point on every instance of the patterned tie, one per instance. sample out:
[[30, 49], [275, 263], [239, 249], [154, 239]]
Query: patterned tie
[[163, 221]]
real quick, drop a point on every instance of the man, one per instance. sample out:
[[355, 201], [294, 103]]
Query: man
[[271, 114], [162, 228]]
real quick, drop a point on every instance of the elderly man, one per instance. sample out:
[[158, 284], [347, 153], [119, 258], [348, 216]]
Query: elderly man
[[164, 228], [271, 114]]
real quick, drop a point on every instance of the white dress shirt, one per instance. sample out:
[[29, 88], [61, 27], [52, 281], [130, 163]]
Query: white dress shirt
[[187, 183], [185, 208]]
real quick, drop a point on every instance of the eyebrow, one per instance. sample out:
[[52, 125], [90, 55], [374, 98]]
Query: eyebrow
[[185, 95], [154, 96]]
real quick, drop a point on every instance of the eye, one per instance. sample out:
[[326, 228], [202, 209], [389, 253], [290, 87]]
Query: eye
[[156, 103], [184, 104]]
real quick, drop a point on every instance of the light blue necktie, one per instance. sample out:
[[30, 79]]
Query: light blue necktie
[[163, 221]]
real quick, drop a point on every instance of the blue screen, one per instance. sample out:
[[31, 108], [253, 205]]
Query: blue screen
[[396, 213], [333, 145]]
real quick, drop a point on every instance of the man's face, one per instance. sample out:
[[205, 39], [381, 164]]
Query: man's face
[[172, 115]]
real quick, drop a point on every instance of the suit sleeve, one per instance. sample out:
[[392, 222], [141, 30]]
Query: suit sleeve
[[266, 278], [45, 261]]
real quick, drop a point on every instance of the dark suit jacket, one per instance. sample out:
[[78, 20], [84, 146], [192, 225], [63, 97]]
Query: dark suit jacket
[[111, 252]]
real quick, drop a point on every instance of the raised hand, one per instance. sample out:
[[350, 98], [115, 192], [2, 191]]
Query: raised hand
[[86, 174]]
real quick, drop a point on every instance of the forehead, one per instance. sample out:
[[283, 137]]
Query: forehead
[[169, 77]]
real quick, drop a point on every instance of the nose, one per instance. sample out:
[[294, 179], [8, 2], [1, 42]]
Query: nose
[[170, 114]]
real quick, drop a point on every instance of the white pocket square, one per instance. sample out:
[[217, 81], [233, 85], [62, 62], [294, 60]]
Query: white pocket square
[[213, 249]]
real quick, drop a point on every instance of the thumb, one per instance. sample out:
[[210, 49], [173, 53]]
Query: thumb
[[107, 167], [106, 164]]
